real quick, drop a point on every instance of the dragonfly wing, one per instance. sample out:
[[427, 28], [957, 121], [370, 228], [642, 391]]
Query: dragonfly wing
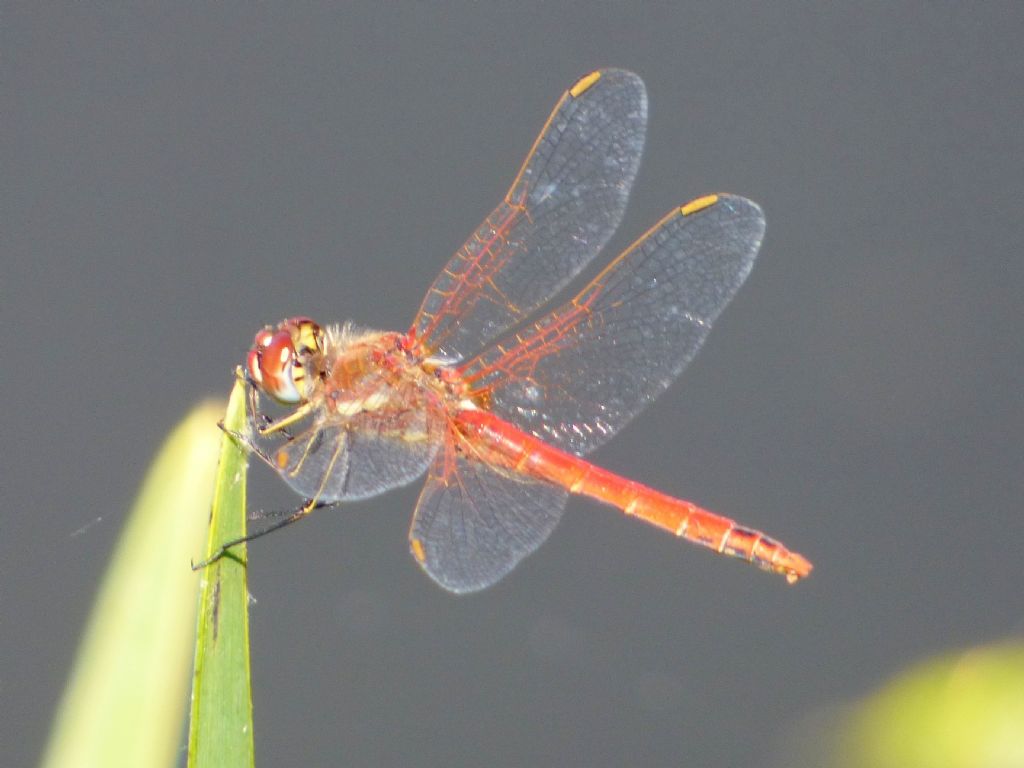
[[474, 523], [354, 460], [578, 375], [563, 206]]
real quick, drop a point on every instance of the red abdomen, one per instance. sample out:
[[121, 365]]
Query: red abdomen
[[525, 453]]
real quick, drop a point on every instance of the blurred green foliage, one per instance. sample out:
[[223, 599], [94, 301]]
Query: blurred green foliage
[[124, 703], [962, 710]]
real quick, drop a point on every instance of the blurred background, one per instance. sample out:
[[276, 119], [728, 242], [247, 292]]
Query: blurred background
[[175, 176]]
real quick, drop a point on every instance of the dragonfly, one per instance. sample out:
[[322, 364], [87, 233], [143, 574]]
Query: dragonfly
[[495, 400]]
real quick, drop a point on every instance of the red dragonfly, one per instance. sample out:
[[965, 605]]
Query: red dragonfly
[[497, 404]]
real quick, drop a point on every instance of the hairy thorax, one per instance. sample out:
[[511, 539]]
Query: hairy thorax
[[374, 373]]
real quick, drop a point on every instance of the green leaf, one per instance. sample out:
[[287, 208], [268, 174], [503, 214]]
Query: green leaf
[[124, 703], [220, 730], [958, 711]]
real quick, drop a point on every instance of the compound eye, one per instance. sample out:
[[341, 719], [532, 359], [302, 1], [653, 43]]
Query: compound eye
[[273, 366], [252, 365]]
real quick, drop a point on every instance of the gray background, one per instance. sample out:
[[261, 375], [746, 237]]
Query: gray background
[[174, 177]]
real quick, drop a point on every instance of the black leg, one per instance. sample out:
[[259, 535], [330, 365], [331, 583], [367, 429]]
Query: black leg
[[295, 516]]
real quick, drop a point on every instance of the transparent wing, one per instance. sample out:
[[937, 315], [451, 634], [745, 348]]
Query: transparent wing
[[473, 523], [563, 206], [578, 375], [356, 459]]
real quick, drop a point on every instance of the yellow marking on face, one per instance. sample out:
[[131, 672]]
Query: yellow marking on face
[[417, 550], [282, 459], [307, 336], [699, 204], [584, 83]]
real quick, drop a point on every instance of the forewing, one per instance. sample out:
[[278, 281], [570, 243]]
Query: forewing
[[563, 206], [351, 460], [474, 523], [578, 375]]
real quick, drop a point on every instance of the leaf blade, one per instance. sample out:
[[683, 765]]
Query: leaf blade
[[220, 728]]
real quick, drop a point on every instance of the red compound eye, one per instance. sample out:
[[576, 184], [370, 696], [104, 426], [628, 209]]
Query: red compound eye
[[273, 367]]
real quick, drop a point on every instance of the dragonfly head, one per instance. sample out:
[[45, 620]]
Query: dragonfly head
[[285, 359]]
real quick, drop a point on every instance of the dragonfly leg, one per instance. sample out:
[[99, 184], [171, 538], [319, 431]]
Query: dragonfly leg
[[224, 549], [248, 444], [265, 423], [281, 424]]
